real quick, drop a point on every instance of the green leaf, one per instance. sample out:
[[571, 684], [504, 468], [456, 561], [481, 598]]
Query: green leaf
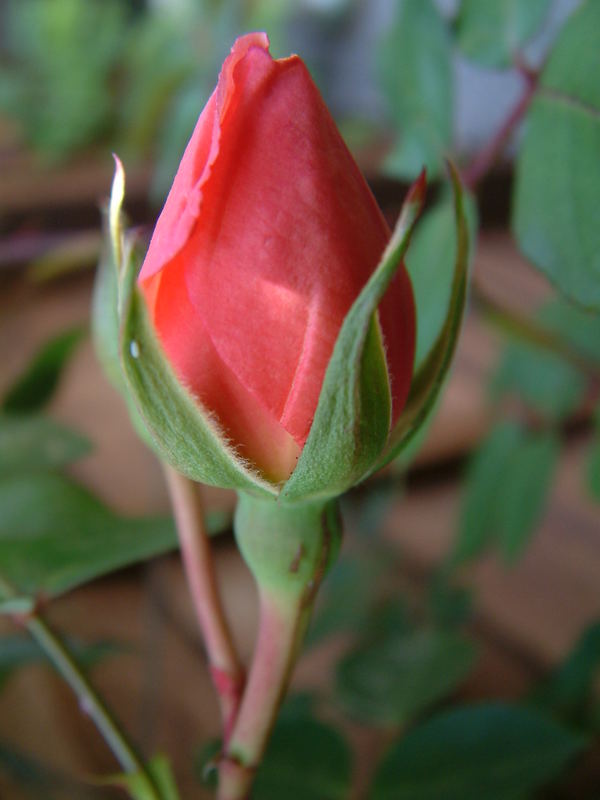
[[25, 773], [64, 98], [416, 77], [344, 600], [593, 465], [430, 262], [17, 651], [543, 380], [506, 488], [576, 326], [525, 489], [449, 605], [36, 386], [54, 535], [351, 422], [35, 443], [206, 762], [493, 32], [392, 680], [159, 57], [557, 191], [429, 378], [569, 691], [305, 759], [496, 752]]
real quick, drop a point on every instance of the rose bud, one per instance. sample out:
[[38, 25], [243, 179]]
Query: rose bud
[[286, 329]]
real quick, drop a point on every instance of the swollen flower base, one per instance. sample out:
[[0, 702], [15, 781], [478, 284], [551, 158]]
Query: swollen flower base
[[267, 345]]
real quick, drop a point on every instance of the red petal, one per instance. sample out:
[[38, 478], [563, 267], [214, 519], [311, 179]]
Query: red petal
[[274, 231]]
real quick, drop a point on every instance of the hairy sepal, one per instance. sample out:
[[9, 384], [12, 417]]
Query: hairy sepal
[[351, 424], [430, 377], [164, 413]]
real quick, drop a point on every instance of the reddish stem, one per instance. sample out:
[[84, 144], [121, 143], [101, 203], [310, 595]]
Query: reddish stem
[[487, 157], [225, 666], [283, 621]]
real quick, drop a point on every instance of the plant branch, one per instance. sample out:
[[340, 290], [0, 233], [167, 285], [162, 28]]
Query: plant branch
[[491, 152], [283, 622], [89, 700], [516, 325], [225, 665]]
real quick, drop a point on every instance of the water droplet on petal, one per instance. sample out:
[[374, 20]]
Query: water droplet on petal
[[134, 349]]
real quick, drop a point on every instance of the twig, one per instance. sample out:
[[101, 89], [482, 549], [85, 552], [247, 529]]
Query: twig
[[89, 700], [514, 324], [283, 622], [487, 157], [226, 669]]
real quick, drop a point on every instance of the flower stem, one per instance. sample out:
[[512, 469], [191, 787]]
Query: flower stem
[[288, 549], [283, 623], [89, 699], [226, 669]]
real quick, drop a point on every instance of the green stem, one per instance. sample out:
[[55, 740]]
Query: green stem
[[288, 549], [89, 699]]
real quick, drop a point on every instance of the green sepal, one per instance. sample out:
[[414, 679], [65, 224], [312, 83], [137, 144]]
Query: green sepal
[[183, 433], [164, 413], [105, 318], [351, 423], [106, 297], [288, 548], [430, 377]]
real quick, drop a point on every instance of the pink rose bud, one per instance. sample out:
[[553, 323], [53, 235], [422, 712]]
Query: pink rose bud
[[267, 237]]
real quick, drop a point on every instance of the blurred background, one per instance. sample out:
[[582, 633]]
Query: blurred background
[[471, 568]]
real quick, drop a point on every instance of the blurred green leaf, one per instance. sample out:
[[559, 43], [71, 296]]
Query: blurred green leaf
[[63, 54], [493, 32], [158, 59], [365, 511], [390, 617], [593, 466], [506, 487], [54, 535], [34, 443], [545, 381], [416, 77], [557, 190], [576, 326], [524, 492], [569, 691], [305, 759], [18, 650], [206, 762], [345, 598], [430, 262], [36, 385], [37, 780], [390, 681], [496, 752], [449, 605]]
